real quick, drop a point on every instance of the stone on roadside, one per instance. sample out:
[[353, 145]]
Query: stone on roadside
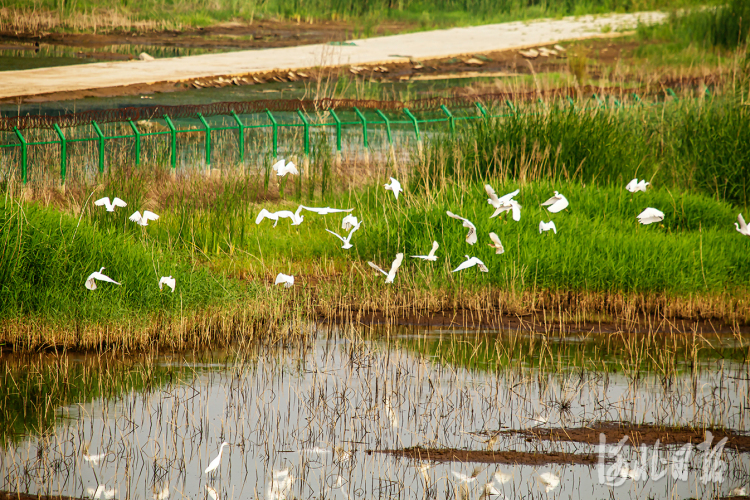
[[145, 57]]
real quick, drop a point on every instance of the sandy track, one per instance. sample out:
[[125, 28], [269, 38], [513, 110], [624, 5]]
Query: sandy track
[[379, 50]]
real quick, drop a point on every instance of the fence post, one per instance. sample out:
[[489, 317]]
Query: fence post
[[572, 103], [101, 146], [338, 129], [275, 133], [388, 133], [63, 153], [137, 135], [173, 133], [451, 120], [208, 140], [307, 131], [511, 106], [671, 93], [363, 120], [240, 136], [416, 129], [24, 154], [481, 109]]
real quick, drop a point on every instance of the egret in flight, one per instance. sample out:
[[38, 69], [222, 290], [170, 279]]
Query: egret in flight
[[742, 226], [287, 280], [471, 237], [117, 202], [323, 210], [430, 256], [650, 215], [394, 267], [282, 170], [496, 244], [281, 214], [503, 203], [471, 262], [547, 226], [346, 241], [634, 186], [142, 220], [556, 203], [216, 461], [349, 222], [167, 280], [91, 280], [394, 186]]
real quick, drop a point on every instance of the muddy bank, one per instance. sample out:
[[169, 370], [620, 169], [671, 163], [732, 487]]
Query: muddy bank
[[7, 495], [490, 457]]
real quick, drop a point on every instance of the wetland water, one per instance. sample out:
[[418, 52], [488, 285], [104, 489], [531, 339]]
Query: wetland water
[[327, 409]]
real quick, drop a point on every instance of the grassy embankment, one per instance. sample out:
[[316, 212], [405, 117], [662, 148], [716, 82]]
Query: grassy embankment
[[600, 265]]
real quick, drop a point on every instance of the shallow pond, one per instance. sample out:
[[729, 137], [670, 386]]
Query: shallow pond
[[327, 410]]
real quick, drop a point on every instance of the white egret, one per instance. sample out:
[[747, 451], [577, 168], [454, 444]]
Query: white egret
[[339, 485], [216, 461], [634, 186], [394, 186], [92, 459], [346, 241], [462, 488], [286, 279], [503, 203], [349, 222], [282, 170], [628, 473], [556, 203], [549, 481], [117, 202], [650, 215], [538, 419], [547, 226], [496, 243], [392, 416], [142, 220], [281, 214], [342, 455], [471, 262], [91, 280], [430, 256], [161, 492], [742, 226], [394, 267], [489, 491], [423, 467], [471, 237], [212, 492], [101, 492], [167, 280], [503, 477], [323, 210], [280, 485], [740, 491]]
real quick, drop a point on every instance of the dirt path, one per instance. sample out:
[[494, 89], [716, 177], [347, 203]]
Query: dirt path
[[371, 51]]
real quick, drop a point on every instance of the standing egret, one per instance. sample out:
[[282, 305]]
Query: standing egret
[[346, 241], [394, 186], [462, 487], [556, 203], [496, 244], [503, 203], [91, 280], [739, 491], [101, 492], [349, 222], [142, 220], [430, 256], [212, 492], [394, 267], [216, 461], [117, 202], [286, 279], [392, 416], [650, 215], [339, 485], [489, 491], [282, 170], [280, 485], [161, 492], [547, 226], [634, 186], [281, 214], [742, 227], [167, 280], [423, 467], [549, 481], [471, 262], [503, 477], [471, 237]]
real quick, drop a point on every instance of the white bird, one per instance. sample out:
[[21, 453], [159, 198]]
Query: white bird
[[339, 485], [97, 275], [92, 459], [549, 481], [117, 202], [216, 461], [503, 477], [430, 256], [282, 170], [101, 491], [212, 492], [546, 226], [161, 493], [281, 214], [394, 267], [423, 467], [142, 220], [280, 485], [503, 203], [740, 491], [167, 280], [394, 186], [471, 262], [286, 279], [634, 186], [346, 241], [349, 222], [489, 491], [471, 237], [496, 244], [742, 227], [323, 210], [462, 488], [650, 215], [391, 414], [628, 473], [556, 203]]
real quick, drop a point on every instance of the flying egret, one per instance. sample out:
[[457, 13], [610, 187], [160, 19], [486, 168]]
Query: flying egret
[[556, 203], [117, 202], [167, 280], [634, 186], [286, 279], [91, 280], [346, 241], [430, 256], [549, 481], [216, 461], [471, 237], [496, 244], [742, 227], [394, 267], [349, 222], [650, 215], [323, 210], [394, 186], [281, 214], [503, 203], [142, 220], [280, 485], [471, 262], [282, 170], [547, 226]]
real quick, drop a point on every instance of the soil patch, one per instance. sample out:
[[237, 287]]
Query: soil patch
[[7, 495], [490, 457]]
